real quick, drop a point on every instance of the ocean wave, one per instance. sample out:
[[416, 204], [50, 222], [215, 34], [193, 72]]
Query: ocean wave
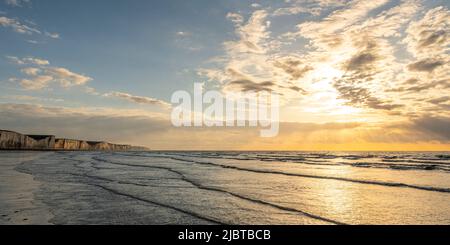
[[370, 182], [416, 161], [209, 188]]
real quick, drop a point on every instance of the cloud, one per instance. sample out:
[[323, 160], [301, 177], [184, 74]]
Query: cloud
[[235, 18], [240, 82], [422, 86], [30, 71], [361, 70], [425, 65], [429, 36], [319, 32], [43, 75], [31, 98], [138, 99], [251, 35], [361, 60], [91, 91], [62, 76], [17, 26], [438, 126], [135, 127], [121, 126], [353, 55], [250, 63], [21, 28], [17, 3], [428, 41], [295, 10], [250, 86], [67, 78], [183, 33], [28, 61], [52, 35], [440, 100], [313, 7], [361, 47], [294, 67], [36, 82], [360, 96]]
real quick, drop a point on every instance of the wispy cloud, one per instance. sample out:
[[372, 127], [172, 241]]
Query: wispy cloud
[[138, 99], [17, 3], [28, 61], [41, 74], [313, 7], [183, 33], [17, 26], [52, 35], [29, 28], [31, 98]]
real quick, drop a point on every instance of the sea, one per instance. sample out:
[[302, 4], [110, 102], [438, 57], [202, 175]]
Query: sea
[[262, 188]]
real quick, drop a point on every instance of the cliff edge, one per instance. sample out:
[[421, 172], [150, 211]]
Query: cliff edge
[[10, 140]]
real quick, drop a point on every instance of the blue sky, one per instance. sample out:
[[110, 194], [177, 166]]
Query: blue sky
[[129, 45], [371, 63]]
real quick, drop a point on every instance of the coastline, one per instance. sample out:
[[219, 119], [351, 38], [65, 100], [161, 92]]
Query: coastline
[[10, 140], [189, 188]]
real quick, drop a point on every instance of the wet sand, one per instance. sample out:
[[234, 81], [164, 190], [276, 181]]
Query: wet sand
[[17, 193]]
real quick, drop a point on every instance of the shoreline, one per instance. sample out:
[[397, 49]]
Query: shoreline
[[154, 150], [19, 205]]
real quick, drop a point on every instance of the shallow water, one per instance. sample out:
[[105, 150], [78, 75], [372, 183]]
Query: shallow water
[[226, 187]]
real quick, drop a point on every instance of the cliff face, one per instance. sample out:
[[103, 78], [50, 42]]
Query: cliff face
[[104, 146], [69, 144], [43, 141], [15, 141]]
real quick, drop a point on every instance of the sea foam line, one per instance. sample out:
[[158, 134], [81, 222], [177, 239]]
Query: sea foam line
[[183, 177], [380, 183]]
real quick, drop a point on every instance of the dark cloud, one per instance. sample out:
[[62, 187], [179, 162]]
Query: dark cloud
[[138, 99], [361, 60], [360, 69], [430, 38], [246, 85], [422, 86], [425, 65], [438, 126], [358, 96], [295, 68], [412, 81], [297, 89], [292, 127], [251, 45], [332, 41], [440, 100]]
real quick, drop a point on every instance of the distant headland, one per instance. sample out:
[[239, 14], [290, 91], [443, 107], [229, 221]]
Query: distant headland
[[10, 140]]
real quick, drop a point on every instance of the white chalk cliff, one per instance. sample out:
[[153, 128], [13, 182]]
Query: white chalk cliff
[[10, 140]]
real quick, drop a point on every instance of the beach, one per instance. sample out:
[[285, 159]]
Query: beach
[[224, 187]]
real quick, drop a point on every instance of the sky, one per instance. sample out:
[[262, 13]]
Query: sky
[[352, 74]]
